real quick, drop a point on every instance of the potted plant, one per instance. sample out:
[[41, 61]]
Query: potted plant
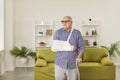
[[23, 53], [114, 48]]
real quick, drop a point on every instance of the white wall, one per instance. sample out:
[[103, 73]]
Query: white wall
[[26, 12]]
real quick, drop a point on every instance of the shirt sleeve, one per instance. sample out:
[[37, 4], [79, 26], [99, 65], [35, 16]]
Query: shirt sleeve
[[55, 37], [80, 43]]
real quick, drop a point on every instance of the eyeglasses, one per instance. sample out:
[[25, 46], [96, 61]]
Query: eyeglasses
[[65, 21]]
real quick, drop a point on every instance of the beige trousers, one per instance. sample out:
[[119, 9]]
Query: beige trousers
[[61, 73]]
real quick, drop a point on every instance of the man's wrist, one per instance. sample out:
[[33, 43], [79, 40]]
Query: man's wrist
[[79, 58], [79, 55]]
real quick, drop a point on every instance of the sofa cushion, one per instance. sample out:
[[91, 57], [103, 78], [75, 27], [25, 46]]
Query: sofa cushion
[[40, 62], [106, 61], [94, 54], [46, 54]]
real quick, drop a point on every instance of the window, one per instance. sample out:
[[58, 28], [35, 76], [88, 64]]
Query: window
[[1, 25]]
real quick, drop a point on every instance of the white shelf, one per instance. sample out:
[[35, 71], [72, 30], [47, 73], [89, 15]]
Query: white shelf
[[91, 46], [92, 29], [46, 35], [43, 25], [46, 46], [39, 35], [90, 36], [43, 47], [90, 25]]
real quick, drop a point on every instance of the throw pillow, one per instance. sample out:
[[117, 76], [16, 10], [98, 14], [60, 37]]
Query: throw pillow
[[40, 62], [46, 54], [94, 54]]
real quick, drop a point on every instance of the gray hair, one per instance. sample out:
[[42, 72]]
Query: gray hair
[[68, 17]]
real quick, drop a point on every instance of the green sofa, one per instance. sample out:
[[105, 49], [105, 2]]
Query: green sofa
[[96, 65]]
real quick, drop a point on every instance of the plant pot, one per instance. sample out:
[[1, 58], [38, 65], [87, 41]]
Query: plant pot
[[23, 59]]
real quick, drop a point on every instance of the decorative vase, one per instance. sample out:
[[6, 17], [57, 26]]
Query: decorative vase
[[93, 33], [23, 60], [87, 33], [94, 43]]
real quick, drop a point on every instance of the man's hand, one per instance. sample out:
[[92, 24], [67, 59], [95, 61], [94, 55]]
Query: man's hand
[[74, 48], [79, 57], [79, 60]]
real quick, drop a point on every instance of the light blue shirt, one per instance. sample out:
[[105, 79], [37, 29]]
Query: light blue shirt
[[67, 59]]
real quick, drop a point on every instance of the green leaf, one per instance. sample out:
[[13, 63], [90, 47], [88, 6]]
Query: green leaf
[[23, 52], [32, 54], [114, 47]]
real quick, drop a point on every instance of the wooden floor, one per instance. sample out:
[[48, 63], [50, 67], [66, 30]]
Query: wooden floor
[[27, 74], [18, 74]]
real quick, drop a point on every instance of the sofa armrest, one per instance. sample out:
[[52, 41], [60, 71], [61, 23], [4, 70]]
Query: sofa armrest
[[106, 61]]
